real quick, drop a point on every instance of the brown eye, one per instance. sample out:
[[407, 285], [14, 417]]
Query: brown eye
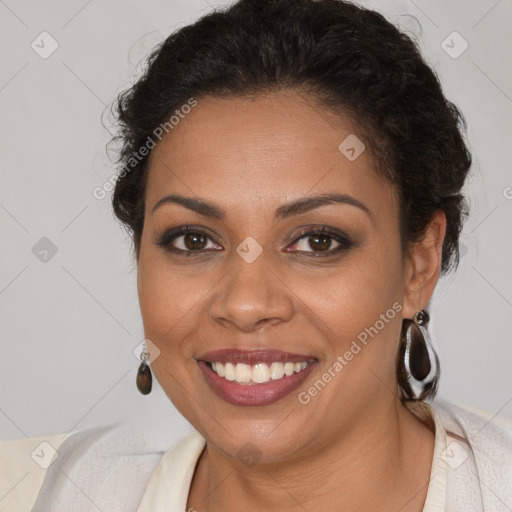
[[187, 241], [319, 242], [316, 243], [194, 241]]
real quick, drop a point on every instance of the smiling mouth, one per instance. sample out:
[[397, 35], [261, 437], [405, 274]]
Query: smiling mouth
[[255, 385], [255, 377], [258, 373]]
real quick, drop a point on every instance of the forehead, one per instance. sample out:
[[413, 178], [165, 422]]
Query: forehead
[[265, 149]]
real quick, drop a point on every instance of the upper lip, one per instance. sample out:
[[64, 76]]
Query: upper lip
[[253, 356]]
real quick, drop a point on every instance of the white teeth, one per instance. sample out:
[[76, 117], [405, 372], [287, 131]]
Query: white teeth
[[229, 369], [260, 373], [289, 368], [219, 368], [276, 371], [257, 373], [242, 372]]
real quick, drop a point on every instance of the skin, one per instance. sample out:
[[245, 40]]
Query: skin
[[354, 446]]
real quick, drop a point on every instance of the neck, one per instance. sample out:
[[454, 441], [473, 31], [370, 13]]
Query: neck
[[382, 463]]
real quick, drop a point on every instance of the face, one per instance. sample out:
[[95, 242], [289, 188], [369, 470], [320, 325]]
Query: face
[[322, 282]]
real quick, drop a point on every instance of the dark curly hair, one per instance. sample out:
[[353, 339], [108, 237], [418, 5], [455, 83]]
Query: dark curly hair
[[349, 59]]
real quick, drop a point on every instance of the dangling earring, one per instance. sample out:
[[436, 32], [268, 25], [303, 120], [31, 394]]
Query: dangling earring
[[418, 364], [144, 376]]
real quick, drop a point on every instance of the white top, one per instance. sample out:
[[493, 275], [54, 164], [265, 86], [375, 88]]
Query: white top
[[132, 468]]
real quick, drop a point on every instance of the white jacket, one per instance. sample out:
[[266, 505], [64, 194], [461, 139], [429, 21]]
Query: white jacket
[[132, 468]]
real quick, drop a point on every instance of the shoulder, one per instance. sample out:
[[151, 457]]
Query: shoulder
[[111, 463], [477, 428], [23, 466], [478, 450], [170, 483]]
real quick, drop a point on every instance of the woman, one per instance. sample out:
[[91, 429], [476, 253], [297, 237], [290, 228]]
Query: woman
[[291, 177]]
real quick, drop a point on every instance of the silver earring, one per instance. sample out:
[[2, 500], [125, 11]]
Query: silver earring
[[418, 365]]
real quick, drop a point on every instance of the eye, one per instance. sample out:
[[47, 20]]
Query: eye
[[321, 240], [187, 239]]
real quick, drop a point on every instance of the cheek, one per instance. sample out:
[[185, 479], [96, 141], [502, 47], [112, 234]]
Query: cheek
[[361, 321], [358, 309], [166, 297], [356, 292], [167, 306]]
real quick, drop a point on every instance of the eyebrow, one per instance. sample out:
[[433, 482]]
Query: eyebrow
[[305, 204]]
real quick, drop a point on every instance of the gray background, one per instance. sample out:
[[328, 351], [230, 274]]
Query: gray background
[[70, 324]]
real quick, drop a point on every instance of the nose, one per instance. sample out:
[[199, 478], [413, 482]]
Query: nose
[[251, 295]]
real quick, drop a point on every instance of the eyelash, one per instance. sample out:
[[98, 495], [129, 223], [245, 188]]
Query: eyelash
[[169, 236]]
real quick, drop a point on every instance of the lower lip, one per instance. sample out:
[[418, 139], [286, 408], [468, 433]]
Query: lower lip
[[254, 394]]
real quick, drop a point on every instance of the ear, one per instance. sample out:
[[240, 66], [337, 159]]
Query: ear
[[423, 266]]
